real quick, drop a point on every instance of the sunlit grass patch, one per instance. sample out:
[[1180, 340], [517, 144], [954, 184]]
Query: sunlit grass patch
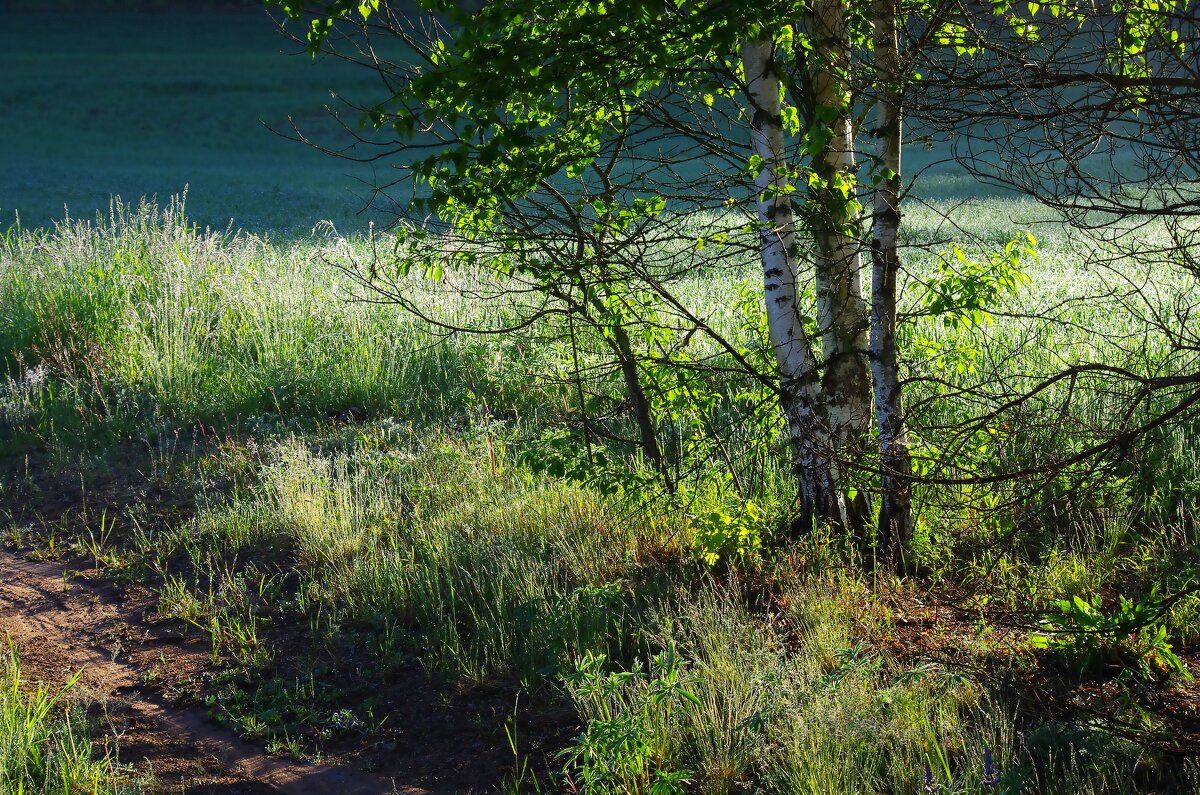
[[44, 744], [142, 319], [359, 488], [735, 698]]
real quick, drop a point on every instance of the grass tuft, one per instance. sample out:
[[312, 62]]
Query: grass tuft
[[44, 745]]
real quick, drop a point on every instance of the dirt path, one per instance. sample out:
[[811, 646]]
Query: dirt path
[[57, 624]]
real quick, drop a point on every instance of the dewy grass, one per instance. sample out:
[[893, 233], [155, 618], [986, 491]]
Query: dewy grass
[[802, 713], [143, 317], [414, 527], [405, 533], [44, 747], [493, 573], [789, 702]]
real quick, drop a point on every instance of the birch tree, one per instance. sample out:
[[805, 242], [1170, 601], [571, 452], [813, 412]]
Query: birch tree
[[801, 391], [842, 314], [895, 466], [768, 91]]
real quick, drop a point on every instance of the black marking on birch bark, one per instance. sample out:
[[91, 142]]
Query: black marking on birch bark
[[890, 216], [762, 118], [779, 209]]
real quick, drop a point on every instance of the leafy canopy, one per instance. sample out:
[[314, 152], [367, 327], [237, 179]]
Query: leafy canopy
[[529, 89], [523, 90]]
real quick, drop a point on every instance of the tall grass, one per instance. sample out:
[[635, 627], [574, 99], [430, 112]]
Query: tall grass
[[413, 530], [44, 745], [142, 317], [486, 572], [790, 702]]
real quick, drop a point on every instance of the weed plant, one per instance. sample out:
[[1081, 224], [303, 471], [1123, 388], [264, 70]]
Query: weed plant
[[44, 744]]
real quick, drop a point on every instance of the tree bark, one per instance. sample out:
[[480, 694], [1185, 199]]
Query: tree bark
[[799, 381], [841, 310], [895, 464], [639, 403]]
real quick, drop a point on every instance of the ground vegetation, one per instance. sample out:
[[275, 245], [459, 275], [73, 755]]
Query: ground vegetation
[[349, 531]]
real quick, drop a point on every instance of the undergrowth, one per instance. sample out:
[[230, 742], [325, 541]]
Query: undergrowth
[[337, 492]]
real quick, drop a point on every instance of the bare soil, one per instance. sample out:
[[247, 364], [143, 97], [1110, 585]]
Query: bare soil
[[61, 625], [157, 688]]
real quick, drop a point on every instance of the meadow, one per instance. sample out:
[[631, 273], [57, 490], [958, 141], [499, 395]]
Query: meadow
[[134, 104], [337, 499]]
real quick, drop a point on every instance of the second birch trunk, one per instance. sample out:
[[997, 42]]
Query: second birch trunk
[[841, 311], [895, 465]]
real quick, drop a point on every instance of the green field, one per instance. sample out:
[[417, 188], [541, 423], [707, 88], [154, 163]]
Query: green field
[[119, 103], [332, 492]]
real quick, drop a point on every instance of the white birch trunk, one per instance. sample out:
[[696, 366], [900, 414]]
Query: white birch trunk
[[841, 310], [800, 388], [894, 462]]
